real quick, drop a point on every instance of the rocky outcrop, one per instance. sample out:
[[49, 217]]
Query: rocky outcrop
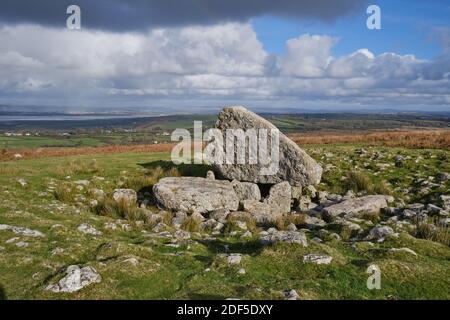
[[76, 279], [193, 194], [295, 165], [351, 207]]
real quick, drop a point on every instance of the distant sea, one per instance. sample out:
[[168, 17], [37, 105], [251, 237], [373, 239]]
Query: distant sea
[[64, 117]]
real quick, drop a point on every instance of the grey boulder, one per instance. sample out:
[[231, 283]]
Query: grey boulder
[[295, 165], [194, 194], [246, 190], [351, 207], [76, 278]]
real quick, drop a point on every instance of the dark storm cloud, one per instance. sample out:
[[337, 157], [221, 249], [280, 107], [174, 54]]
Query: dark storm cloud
[[141, 14]]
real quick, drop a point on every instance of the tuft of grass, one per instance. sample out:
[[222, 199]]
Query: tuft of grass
[[248, 219], [436, 231], [371, 216], [382, 188], [282, 222], [119, 209], [358, 181], [149, 179], [64, 193], [191, 224], [167, 217], [346, 233], [78, 166]]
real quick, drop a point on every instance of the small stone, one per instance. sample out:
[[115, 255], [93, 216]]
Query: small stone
[[128, 196], [433, 209], [133, 261], [246, 190], [241, 271], [22, 231], [405, 250], [210, 175], [22, 244], [57, 251], [241, 225], [275, 236], [234, 259], [247, 235], [291, 227], [12, 240], [291, 294], [317, 259], [88, 229], [380, 232]]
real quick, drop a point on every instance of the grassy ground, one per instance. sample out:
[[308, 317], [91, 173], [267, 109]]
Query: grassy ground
[[180, 272]]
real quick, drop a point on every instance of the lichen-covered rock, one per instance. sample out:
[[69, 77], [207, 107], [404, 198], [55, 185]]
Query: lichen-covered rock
[[295, 165], [194, 194], [125, 195], [279, 198], [350, 207], [317, 259], [274, 236], [76, 278], [22, 231], [246, 190]]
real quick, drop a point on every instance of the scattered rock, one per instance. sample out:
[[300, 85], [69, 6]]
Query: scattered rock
[[75, 279], [279, 198], [219, 215], [317, 259], [125, 195], [194, 194], [380, 232], [246, 190], [443, 176], [88, 229], [22, 244], [294, 166], [210, 175], [404, 250], [291, 294], [22, 231], [133, 261], [275, 236], [22, 182], [234, 259], [57, 251], [351, 207]]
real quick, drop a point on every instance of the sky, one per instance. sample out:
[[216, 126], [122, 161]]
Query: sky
[[189, 55]]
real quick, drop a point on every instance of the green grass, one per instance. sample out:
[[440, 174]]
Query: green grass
[[167, 272]]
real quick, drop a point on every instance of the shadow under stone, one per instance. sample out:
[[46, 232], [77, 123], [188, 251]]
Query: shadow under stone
[[186, 170], [2, 293]]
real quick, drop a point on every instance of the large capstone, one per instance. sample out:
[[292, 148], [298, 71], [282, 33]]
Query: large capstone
[[193, 194], [294, 165]]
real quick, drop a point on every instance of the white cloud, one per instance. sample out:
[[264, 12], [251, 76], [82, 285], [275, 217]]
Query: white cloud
[[215, 63], [307, 56]]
